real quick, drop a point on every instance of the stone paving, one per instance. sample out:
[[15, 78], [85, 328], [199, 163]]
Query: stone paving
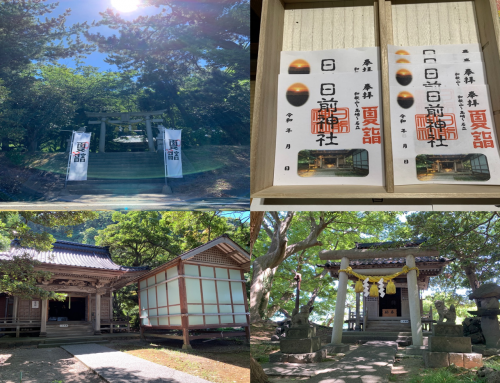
[[369, 363], [118, 367]]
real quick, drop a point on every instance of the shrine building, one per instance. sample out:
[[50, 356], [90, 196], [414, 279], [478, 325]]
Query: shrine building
[[197, 292], [391, 312], [86, 274]]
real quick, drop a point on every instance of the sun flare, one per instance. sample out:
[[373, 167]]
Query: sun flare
[[125, 5]]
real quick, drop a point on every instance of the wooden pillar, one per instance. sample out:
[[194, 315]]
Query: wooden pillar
[[184, 310], [97, 325], [338, 319], [14, 308], [357, 311], [149, 132], [43, 319], [111, 311], [102, 136], [89, 307], [413, 300]]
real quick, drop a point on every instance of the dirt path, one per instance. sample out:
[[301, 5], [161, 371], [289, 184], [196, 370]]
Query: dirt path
[[43, 366]]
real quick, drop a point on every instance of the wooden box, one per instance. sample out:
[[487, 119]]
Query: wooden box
[[389, 313], [312, 25]]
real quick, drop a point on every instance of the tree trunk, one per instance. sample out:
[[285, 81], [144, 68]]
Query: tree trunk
[[256, 218], [257, 374], [265, 266], [259, 291], [470, 272]]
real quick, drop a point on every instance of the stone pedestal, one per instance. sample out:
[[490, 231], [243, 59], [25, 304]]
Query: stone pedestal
[[445, 329], [300, 340], [451, 348], [300, 345], [449, 344]]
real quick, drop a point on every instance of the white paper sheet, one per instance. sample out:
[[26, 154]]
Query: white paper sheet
[[432, 50], [339, 142], [451, 58], [441, 121], [467, 137], [330, 62], [438, 75]]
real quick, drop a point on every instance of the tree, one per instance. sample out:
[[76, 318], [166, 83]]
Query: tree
[[152, 238], [470, 237], [19, 275], [289, 242], [192, 59]]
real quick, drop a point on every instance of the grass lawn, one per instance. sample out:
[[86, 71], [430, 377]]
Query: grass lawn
[[216, 361]]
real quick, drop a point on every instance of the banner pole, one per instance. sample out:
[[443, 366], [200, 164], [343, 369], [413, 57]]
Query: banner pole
[[69, 158]]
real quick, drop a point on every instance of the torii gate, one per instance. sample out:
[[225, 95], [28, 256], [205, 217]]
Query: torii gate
[[413, 298], [124, 118]]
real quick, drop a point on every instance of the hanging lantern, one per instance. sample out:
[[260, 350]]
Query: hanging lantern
[[359, 286], [374, 290], [391, 288]]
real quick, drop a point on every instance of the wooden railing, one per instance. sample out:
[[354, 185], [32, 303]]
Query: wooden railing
[[11, 326], [116, 325]]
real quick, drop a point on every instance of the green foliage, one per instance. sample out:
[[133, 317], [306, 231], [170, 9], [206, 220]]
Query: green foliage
[[19, 276], [471, 238], [345, 229], [152, 238], [191, 60], [450, 374]]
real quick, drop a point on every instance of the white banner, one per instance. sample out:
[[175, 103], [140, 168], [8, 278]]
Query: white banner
[[173, 158], [79, 157]]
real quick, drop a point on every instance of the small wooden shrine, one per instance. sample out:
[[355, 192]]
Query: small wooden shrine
[[199, 290], [392, 311], [86, 274]]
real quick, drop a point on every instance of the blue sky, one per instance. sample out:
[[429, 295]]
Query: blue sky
[[88, 10]]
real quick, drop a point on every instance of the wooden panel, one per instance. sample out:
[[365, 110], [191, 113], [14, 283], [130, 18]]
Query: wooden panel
[[263, 139], [488, 28], [305, 25], [400, 192], [26, 312], [440, 23], [329, 25]]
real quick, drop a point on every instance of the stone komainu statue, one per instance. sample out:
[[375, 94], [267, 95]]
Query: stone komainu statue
[[301, 318], [449, 314]]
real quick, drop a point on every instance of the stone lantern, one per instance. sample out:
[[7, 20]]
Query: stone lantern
[[487, 297]]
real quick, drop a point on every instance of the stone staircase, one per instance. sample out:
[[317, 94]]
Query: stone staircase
[[74, 329], [402, 338], [122, 173], [387, 326]]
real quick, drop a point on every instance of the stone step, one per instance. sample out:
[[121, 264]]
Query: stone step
[[65, 343]]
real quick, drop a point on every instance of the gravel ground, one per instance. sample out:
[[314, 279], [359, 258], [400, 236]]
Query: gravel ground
[[43, 366]]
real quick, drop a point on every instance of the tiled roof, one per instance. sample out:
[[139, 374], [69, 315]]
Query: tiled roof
[[72, 254], [389, 261], [414, 243]]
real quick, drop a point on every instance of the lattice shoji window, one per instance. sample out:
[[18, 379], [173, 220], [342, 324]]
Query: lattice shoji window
[[371, 299], [404, 293], [214, 256]]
